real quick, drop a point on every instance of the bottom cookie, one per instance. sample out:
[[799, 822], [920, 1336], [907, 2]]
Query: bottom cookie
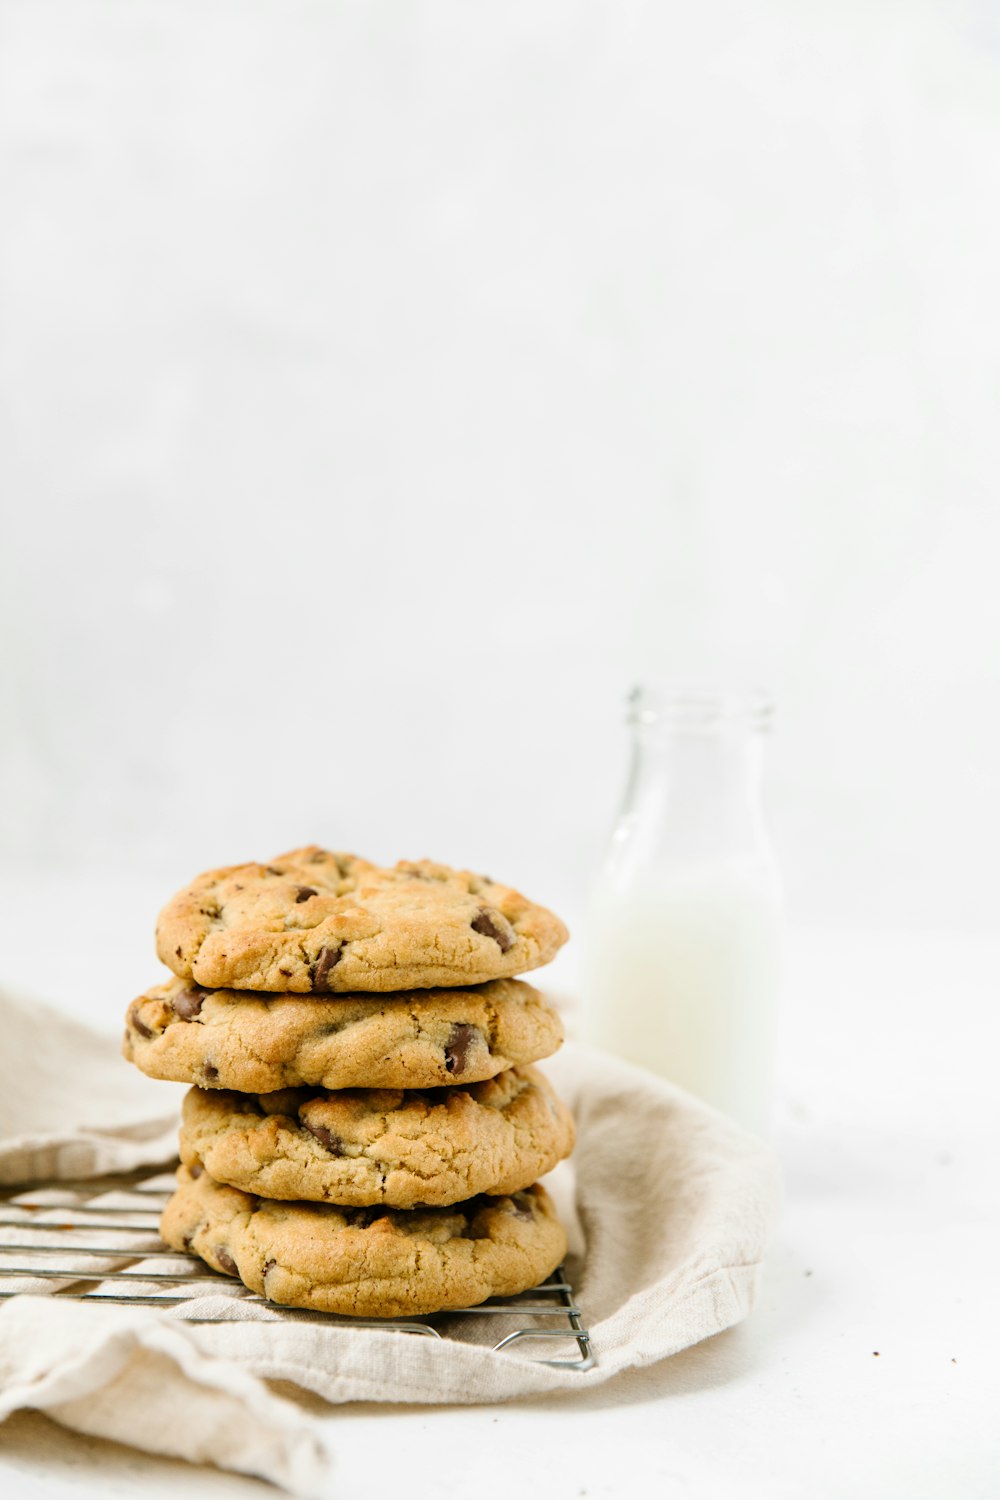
[[367, 1262]]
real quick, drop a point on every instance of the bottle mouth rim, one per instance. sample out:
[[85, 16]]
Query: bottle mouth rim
[[699, 706]]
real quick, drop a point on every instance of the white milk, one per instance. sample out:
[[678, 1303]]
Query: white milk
[[682, 975]]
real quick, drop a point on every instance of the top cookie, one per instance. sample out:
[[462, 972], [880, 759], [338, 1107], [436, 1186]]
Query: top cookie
[[313, 922]]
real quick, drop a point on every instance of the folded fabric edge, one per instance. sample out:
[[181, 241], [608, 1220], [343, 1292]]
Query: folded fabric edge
[[144, 1381], [88, 1153], [343, 1364]]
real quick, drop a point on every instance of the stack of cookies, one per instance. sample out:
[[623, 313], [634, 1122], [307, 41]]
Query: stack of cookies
[[365, 1128]]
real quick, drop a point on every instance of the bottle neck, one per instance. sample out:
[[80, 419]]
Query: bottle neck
[[697, 791], [693, 792]]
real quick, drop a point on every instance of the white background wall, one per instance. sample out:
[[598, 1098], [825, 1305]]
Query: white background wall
[[384, 388]]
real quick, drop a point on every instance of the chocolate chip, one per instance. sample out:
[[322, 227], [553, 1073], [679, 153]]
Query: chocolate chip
[[285, 973], [522, 1207], [457, 1050], [326, 959], [268, 1265], [226, 1261], [179, 952], [326, 1138], [211, 1072], [272, 871], [361, 1218], [305, 891], [187, 1003], [140, 1026], [196, 1170], [485, 921]]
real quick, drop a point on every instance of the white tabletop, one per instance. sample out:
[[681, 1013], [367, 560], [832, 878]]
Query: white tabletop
[[864, 1368]]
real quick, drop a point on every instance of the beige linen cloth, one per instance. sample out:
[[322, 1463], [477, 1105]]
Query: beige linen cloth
[[669, 1208]]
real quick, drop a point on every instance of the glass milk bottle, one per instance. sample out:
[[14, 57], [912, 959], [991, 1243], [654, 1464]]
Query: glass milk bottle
[[683, 945]]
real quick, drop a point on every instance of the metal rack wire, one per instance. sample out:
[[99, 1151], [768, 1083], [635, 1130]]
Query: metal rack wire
[[56, 1221]]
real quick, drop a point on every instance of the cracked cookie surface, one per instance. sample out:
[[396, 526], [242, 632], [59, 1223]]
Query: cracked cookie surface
[[361, 1147], [316, 922], [367, 1262], [256, 1043]]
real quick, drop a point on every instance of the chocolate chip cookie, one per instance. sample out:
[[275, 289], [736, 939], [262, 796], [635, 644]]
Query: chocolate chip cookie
[[367, 1146], [253, 1043], [314, 922], [367, 1262]]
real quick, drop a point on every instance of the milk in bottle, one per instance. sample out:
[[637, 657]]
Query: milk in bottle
[[683, 941]]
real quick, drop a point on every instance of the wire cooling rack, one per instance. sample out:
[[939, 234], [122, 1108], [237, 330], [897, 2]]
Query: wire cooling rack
[[48, 1231]]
